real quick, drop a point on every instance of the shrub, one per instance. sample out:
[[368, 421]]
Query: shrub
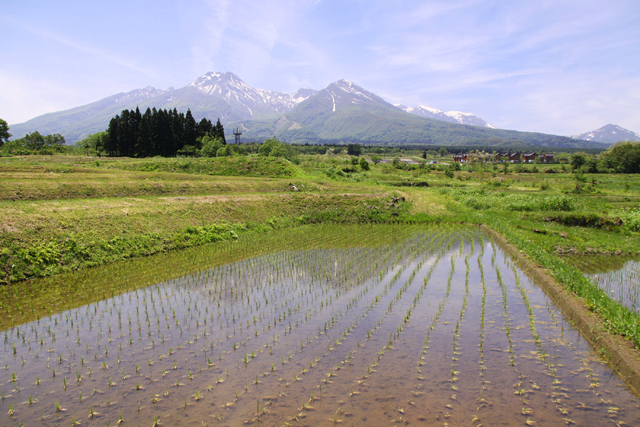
[[632, 220], [210, 146]]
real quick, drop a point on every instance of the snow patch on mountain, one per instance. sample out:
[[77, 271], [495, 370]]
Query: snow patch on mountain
[[448, 116], [231, 88], [137, 95], [343, 92]]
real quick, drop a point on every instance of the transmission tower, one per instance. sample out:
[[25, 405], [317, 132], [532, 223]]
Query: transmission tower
[[237, 134]]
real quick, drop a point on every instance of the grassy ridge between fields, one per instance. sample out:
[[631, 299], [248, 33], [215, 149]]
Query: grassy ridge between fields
[[78, 235], [226, 166]]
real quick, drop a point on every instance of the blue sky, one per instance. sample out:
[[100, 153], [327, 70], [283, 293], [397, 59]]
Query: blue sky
[[561, 66]]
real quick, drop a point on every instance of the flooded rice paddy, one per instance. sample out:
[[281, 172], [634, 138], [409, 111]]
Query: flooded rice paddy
[[437, 327], [618, 277]]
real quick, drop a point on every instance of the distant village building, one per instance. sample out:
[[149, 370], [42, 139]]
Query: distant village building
[[529, 157], [514, 157], [548, 157], [461, 158], [499, 157]]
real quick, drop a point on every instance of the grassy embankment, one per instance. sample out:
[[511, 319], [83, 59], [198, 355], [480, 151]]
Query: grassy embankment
[[60, 213], [87, 213]]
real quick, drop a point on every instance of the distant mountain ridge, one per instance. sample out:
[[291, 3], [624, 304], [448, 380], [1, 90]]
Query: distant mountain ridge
[[447, 116], [212, 95], [609, 134], [343, 111]]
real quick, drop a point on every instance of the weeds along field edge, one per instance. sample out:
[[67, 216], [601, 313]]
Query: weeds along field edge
[[70, 237]]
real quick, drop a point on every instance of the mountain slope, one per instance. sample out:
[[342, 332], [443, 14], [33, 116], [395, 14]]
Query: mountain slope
[[78, 122], [345, 111], [609, 134], [213, 95], [447, 116]]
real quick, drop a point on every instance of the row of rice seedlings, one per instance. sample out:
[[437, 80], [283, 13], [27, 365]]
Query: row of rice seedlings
[[330, 376], [434, 320], [482, 309], [481, 400], [400, 412], [519, 386], [621, 285], [505, 311], [343, 336], [456, 334], [394, 336], [530, 315]]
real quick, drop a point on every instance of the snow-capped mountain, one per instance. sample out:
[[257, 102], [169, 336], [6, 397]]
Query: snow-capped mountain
[[341, 111], [343, 93], [448, 116], [610, 134], [213, 95], [344, 111], [240, 95]]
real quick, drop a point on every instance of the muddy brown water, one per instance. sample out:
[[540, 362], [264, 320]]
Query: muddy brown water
[[440, 329]]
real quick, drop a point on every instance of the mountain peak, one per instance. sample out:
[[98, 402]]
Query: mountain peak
[[344, 83], [349, 86], [219, 82], [344, 92], [609, 133]]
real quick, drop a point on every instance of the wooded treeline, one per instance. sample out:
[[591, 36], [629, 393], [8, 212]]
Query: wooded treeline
[[157, 133]]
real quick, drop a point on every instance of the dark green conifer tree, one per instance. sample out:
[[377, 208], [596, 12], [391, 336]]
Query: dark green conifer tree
[[189, 130], [219, 132]]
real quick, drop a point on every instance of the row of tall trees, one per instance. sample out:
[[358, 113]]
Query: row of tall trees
[[157, 133]]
